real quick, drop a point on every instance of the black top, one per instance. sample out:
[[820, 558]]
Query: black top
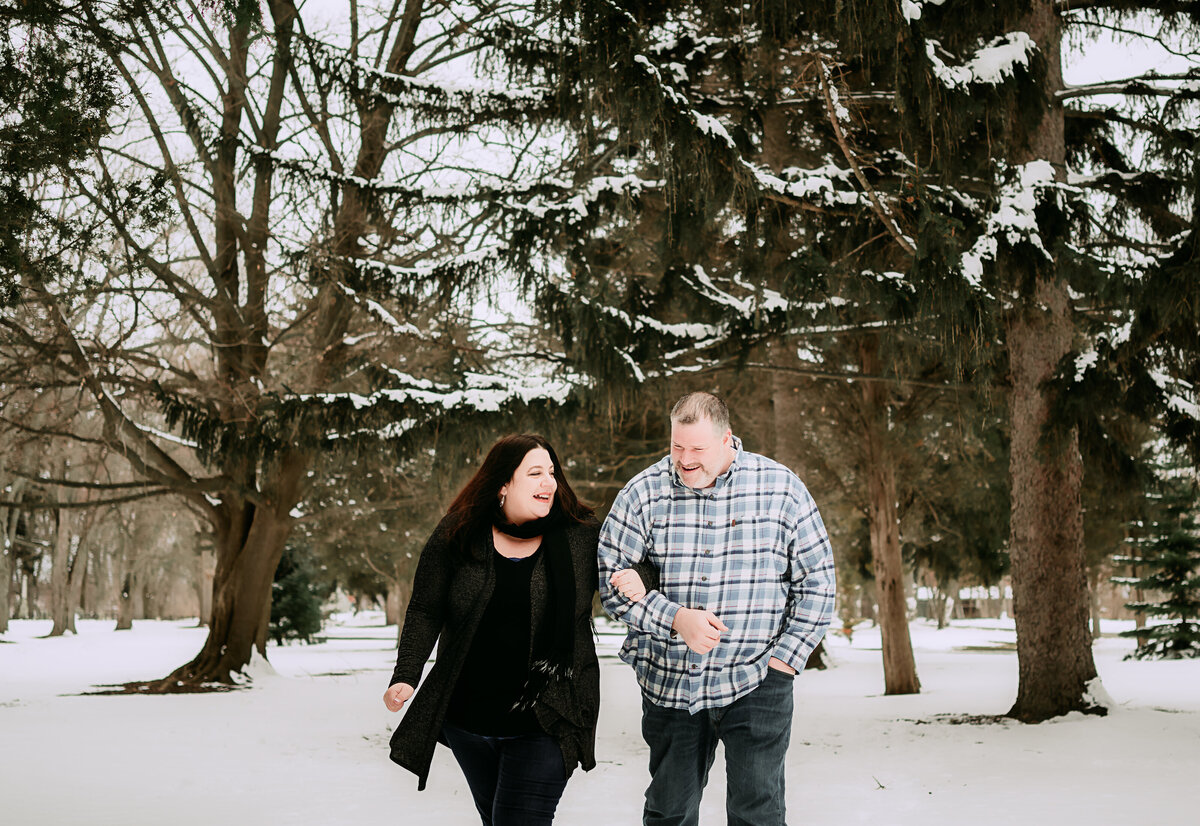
[[497, 664]]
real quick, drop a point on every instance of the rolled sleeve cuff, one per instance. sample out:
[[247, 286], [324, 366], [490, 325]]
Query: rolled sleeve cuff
[[795, 651], [653, 615]]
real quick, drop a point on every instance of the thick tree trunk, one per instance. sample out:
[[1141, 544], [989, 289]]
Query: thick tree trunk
[[1050, 593], [899, 665], [241, 589], [246, 563]]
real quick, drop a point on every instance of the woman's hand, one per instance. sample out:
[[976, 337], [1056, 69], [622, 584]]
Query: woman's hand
[[629, 584], [397, 695]]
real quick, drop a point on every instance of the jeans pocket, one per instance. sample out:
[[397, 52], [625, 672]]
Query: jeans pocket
[[784, 674]]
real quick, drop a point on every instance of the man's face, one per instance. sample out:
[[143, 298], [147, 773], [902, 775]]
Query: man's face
[[700, 452]]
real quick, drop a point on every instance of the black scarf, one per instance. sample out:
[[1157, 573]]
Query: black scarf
[[556, 634]]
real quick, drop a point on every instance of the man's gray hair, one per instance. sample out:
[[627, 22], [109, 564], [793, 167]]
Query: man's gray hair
[[700, 405]]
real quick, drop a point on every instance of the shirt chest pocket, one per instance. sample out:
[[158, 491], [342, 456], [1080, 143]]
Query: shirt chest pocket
[[757, 540]]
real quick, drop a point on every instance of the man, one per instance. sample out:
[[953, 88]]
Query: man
[[746, 592]]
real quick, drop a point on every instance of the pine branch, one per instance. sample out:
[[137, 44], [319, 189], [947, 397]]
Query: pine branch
[[32, 505], [884, 215], [838, 376], [71, 483], [1146, 85]]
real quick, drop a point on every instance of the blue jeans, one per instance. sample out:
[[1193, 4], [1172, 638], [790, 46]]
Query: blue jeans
[[755, 729], [515, 780]]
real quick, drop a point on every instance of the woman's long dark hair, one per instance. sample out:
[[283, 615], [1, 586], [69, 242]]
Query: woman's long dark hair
[[473, 508]]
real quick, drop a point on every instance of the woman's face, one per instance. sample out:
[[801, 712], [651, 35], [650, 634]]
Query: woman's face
[[530, 492]]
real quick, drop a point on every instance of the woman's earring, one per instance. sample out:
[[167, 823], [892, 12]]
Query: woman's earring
[[502, 498]]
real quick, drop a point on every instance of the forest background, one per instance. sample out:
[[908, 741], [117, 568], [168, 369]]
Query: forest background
[[275, 274]]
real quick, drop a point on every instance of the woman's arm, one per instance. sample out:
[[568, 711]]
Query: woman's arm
[[426, 612]]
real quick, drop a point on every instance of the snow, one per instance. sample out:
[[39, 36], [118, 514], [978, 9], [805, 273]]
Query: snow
[[911, 9], [308, 744], [1013, 219], [990, 66]]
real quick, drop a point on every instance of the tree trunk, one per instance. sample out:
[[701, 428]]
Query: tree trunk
[[816, 660], [125, 602], [899, 665], [246, 562], [391, 604], [939, 608], [1094, 600], [264, 622], [206, 572], [953, 603], [8, 570], [75, 580], [60, 571], [1050, 593]]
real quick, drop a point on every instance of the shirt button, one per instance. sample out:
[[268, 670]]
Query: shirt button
[[707, 552], [704, 579], [699, 607], [710, 523]]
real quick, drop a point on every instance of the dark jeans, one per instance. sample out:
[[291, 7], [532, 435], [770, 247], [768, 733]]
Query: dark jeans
[[755, 729], [515, 780]]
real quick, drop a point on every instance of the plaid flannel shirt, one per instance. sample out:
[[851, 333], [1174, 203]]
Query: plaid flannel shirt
[[752, 549]]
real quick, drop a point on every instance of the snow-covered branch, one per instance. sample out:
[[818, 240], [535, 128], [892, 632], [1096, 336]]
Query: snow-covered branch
[[1152, 84], [990, 66]]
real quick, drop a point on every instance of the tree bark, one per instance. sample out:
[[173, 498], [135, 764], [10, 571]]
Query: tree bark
[[206, 564], [125, 602], [1050, 593], [899, 665], [1094, 600], [60, 570], [246, 563], [75, 579], [8, 570]]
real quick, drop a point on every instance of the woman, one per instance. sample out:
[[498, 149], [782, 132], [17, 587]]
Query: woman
[[506, 580]]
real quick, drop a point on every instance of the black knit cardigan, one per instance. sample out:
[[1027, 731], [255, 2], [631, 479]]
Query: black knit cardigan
[[450, 593]]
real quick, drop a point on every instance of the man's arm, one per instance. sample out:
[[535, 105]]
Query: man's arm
[[624, 542], [811, 586]]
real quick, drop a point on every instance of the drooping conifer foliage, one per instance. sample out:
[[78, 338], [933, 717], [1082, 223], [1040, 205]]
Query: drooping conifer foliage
[[56, 93], [903, 190]]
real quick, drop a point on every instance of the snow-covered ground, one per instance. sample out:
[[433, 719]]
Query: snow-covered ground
[[308, 745]]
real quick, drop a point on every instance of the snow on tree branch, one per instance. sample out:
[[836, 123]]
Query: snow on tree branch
[[990, 66], [912, 9], [1013, 220]]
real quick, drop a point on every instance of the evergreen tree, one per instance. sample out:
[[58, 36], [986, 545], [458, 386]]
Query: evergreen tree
[[56, 95], [713, 211], [1165, 554], [295, 597], [941, 183]]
